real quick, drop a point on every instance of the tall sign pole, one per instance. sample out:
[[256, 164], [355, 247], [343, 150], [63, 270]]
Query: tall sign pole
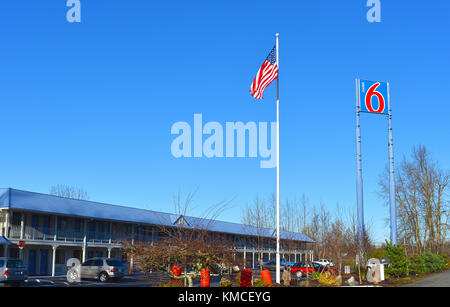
[[359, 181], [372, 97], [278, 279], [392, 200]]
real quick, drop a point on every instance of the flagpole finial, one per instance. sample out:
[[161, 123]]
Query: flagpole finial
[[278, 34]]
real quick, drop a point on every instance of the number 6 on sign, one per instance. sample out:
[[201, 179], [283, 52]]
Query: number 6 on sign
[[373, 96]]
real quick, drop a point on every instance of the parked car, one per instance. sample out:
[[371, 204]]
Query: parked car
[[12, 271], [102, 269], [322, 268], [299, 269], [272, 265], [325, 262]]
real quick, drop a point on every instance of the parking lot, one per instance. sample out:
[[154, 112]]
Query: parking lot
[[137, 280], [134, 280]]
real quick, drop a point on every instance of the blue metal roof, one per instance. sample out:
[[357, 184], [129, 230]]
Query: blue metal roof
[[45, 203]]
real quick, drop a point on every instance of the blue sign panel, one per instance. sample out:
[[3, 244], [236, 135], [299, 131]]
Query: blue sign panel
[[373, 96]]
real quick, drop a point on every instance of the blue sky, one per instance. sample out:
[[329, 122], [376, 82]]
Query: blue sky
[[91, 104]]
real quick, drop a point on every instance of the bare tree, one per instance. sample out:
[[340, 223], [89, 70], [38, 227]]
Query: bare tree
[[257, 222], [304, 217], [69, 192], [187, 241], [289, 216], [337, 238], [423, 204]]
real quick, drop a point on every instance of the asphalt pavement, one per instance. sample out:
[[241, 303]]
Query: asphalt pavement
[[137, 280], [437, 280], [134, 280]]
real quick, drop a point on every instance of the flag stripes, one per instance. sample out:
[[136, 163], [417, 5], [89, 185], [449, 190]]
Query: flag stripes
[[266, 74]]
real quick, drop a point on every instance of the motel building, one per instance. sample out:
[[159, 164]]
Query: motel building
[[55, 229]]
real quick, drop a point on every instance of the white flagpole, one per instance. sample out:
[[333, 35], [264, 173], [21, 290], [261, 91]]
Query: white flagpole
[[278, 172]]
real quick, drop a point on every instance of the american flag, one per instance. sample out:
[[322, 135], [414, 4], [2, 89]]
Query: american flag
[[266, 74]]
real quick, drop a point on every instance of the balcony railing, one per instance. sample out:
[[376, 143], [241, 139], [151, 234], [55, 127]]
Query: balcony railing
[[269, 250], [30, 233], [69, 235]]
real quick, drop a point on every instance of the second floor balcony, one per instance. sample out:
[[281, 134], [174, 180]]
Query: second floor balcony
[[66, 235]]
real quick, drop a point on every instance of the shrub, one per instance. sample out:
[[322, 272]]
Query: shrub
[[315, 275], [238, 280], [225, 282], [427, 263], [398, 263], [259, 283], [326, 279], [446, 259]]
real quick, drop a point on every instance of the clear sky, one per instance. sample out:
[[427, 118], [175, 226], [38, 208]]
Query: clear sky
[[91, 104]]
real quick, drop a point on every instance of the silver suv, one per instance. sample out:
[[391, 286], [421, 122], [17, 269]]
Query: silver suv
[[102, 269], [12, 271]]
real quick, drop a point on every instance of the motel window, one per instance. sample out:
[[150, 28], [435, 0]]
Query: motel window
[[91, 227], [114, 228], [128, 229], [137, 232], [100, 227], [78, 225], [16, 218], [77, 254], [60, 256], [35, 221], [46, 225], [62, 223]]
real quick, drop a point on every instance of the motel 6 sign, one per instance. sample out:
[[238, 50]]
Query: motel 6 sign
[[373, 96]]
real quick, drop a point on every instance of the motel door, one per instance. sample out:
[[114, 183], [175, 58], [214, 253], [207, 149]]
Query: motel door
[[32, 262], [44, 262]]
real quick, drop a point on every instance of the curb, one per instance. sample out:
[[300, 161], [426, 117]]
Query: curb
[[64, 276]]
